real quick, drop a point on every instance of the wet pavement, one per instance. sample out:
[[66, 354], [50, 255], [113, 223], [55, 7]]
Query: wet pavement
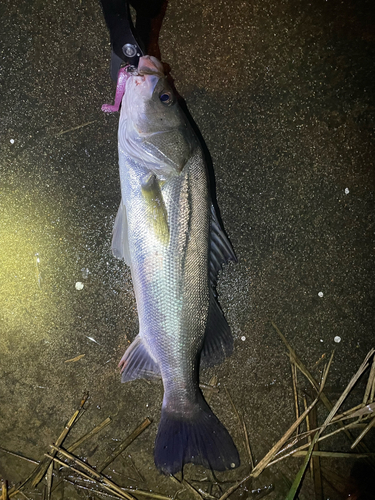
[[283, 95]]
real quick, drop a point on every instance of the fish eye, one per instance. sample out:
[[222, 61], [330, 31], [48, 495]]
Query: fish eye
[[166, 98]]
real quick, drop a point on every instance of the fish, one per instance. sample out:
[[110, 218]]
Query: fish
[[168, 232]]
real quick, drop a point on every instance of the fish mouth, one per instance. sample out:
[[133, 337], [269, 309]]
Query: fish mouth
[[149, 65]]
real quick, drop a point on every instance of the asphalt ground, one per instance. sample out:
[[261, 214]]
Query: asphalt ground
[[283, 95]]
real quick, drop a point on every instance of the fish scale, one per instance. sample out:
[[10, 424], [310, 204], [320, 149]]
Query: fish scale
[[167, 231], [171, 283]]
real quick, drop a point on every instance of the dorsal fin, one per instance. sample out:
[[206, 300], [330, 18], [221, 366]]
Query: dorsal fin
[[221, 251], [218, 341]]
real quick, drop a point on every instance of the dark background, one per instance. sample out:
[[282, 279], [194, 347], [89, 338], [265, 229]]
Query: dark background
[[283, 94]]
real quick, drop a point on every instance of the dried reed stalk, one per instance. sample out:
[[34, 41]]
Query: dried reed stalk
[[4, 490], [86, 476], [313, 382], [264, 462], [243, 428], [90, 434], [294, 385], [40, 471], [298, 479], [333, 454], [363, 433], [369, 384], [127, 441], [18, 455], [96, 475]]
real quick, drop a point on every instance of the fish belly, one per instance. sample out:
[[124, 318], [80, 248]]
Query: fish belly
[[170, 273]]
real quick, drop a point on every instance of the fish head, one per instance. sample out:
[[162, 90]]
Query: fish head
[[153, 129]]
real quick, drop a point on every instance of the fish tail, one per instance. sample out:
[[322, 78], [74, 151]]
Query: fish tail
[[201, 439]]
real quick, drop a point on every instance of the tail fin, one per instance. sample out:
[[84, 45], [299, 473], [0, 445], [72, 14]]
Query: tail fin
[[201, 439]]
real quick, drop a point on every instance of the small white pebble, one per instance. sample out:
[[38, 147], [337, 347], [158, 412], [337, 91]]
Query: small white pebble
[[346, 191], [321, 340], [320, 294], [243, 338], [337, 339], [233, 465], [12, 141], [79, 285]]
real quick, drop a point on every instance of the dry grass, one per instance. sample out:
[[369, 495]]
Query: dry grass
[[293, 444]]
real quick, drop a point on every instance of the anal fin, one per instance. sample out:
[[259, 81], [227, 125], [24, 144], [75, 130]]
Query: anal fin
[[218, 340], [138, 363]]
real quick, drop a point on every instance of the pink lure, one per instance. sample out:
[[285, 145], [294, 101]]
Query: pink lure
[[123, 75]]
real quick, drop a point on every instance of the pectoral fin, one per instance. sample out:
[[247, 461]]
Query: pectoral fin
[[120, 243], [156, 211]]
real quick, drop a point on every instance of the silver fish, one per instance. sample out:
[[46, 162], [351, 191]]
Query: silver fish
[[167, 231]]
